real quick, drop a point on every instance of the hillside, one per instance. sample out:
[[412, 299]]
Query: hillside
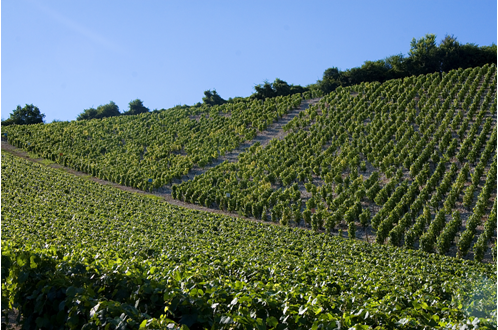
[[373, 206], [149, 150], [410, 162], [76, 253]]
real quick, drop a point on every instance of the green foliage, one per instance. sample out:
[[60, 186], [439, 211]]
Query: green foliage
[[328, 142], [212, 98], [82, 255], [403, 129], [425, 56], [102, 111], [277, 88], [29, 114], [160, 146], [136, 107]]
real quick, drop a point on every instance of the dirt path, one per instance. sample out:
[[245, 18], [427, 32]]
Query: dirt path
[[274, 131], [6, 147], [264, 138]]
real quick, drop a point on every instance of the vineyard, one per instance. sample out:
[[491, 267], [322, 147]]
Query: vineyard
[[149, 150], [412, 162], [77, 254], [405, 169]]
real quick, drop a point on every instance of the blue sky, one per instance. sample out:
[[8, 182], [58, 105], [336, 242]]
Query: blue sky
[[67, 56]]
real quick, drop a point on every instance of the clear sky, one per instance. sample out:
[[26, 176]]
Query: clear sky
[[67, 56]]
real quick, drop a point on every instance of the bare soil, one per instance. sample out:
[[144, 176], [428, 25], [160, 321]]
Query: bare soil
[[274, 131], [11, 323]]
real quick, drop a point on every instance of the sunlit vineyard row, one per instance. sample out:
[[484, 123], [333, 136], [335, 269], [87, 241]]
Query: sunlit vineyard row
[[149, 150], [80, 255], [412, 161]]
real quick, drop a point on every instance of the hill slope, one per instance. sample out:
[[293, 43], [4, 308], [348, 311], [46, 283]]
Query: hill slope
[[412, 162], [408, 162], [78, 253]]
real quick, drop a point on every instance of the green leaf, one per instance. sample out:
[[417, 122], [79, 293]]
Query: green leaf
[[71, 291], [176, 276], [271, 321], [22, 259], [33, 261]]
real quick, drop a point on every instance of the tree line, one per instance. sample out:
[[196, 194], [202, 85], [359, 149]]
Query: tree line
[[111, 109], [424, 57]]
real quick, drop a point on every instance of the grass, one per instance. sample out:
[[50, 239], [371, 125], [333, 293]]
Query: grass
[[33, 155], [155, 197], [46, 162]]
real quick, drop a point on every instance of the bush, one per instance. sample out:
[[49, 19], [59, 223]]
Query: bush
[[29, 114]]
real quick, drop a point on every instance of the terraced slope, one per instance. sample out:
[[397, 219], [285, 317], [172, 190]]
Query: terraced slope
[[411, 162], [79, 254], [150, 150]]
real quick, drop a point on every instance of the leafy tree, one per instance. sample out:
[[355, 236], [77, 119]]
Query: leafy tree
[[87, 114], [473, 55], [264, 91], [424, 55], [278, 88], [212, 98], [294, 89], [136, 107], [397, 66], [281, 87], [29, 114], [330, 81], [102, 111], [449, 52], [368, 72], [108, 110]]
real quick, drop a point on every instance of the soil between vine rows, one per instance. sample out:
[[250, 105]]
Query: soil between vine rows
[[274, 131]]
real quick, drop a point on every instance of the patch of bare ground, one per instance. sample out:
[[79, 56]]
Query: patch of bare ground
[[274, 131], [10, 321]]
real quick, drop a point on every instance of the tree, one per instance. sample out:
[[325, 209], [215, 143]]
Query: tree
[[29, 114], [264, 91], [102, 111], [281, 87], [278, 88], [449, 52], [108, 110], [87, 114], [136, 107], [473, 55], [424, 55], [330, 81], [397, 66], [212, 98], [368, 72], [294, 89]]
